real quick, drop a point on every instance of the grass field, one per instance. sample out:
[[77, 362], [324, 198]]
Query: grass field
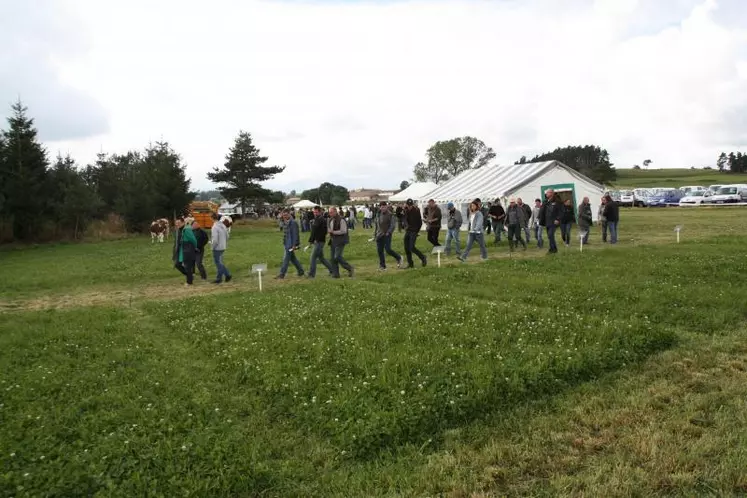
[[641, 178], [613, 372]]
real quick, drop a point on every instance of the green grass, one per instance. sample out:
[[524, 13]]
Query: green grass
[[641, 178], [616, 371]]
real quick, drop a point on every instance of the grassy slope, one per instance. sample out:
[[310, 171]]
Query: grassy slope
[[122, 400], [634, 178]]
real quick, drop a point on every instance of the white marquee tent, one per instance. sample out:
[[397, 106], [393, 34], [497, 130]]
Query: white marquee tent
[[303, 204], [528, 181], [417, 192]]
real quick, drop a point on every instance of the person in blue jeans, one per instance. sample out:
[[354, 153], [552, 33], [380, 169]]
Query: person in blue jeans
[[535, 223], [550, 216], [413, 224], [317, 240], [453, 226], [219, 234], [612, 215], [568, 217], [291, 243], [476, 232], [385, 224], [337, 228]]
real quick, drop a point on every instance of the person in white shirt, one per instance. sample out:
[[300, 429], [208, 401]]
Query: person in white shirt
[[219, 234], [534, 223]]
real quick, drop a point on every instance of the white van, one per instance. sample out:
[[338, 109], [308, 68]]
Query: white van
[[691, 188], [729, 194]]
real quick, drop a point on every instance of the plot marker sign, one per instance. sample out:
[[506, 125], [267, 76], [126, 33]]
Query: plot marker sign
[[438, 250], [677, 230], [581, 237], [258, 269]]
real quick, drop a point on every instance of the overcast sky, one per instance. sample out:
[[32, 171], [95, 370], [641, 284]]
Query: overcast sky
[[355, 92]]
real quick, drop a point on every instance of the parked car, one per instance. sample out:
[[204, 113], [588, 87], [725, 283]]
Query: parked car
[[627, 198], [695, 198], [714, 188], [692, 188], [665, 197], [729, 194]]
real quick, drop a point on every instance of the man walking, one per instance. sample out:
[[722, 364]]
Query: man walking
[[433, 221], [612, 215], [515, 221], [316, 241], [584, 219], [413, 224], [527, 217], [453, 227], [602, 219], [550, 217], [535, 223], [497, 218], [291, 243], [219, 234], [337, 228], [202, 240], [383, 230]]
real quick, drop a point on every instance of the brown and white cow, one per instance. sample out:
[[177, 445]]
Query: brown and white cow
[[159, 229], [228, 221]]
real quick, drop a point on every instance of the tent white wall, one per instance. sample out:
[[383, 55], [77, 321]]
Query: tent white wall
[[528, 181], [303, 204], [417, 192]]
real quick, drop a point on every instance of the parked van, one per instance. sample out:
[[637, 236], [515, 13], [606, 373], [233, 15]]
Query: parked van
[[714, 188], [691, 188], [729, 194]]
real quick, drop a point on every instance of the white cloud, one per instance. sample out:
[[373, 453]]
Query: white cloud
[[355, 92]]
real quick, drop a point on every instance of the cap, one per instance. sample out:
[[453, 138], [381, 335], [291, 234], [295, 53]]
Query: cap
[[450, 205], [410, 202]]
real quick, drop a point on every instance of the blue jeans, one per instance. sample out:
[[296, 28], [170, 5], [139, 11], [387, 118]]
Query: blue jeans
[[222, 270], [384, 244], [565, 233], [612, 225], [527, 233], [317, 255], [410, 249], [338, 260], [290, 257], [497, 230], [538, 236], [551, 237], [471, 239], [453, 234]]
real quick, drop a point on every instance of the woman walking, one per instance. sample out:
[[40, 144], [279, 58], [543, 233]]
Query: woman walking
[[476, 222], [568, 217]]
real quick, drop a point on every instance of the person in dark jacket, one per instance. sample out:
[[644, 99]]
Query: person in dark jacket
[[291, 243], [202, 240], [433, 222], [317, 239], [527, 216], [453, 227], [550, 215], [384, 225], [413, 224], [497, 219], [566, 221], [584, 219], [188, 250], [337, 228], [612, 215], [515, 222]]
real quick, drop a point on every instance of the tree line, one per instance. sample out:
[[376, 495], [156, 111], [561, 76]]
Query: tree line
[[735, 162]]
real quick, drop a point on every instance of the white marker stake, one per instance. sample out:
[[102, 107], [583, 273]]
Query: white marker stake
[[677, 231], [258, 269], [581, 237], [437, 250]]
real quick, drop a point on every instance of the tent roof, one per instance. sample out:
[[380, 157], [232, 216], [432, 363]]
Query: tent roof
[[492, 182], [304, 204], [415, 191]]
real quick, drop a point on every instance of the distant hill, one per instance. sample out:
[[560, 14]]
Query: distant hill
[[641, 178]]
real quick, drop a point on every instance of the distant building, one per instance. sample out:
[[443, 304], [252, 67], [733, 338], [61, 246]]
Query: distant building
[[292, 200], [370, 195]]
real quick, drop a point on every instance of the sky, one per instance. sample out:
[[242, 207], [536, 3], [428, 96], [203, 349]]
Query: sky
[[354, 92]]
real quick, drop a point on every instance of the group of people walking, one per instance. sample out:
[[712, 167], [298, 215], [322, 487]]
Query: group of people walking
[[518, 221]]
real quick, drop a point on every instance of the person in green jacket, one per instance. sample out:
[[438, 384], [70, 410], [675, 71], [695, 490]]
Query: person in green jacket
[[185, 249]]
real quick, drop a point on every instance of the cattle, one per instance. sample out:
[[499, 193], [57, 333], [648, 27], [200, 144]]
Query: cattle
[[227, 221], [159, 229]]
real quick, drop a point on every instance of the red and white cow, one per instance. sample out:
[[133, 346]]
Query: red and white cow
[[228, 221], [159, 229]]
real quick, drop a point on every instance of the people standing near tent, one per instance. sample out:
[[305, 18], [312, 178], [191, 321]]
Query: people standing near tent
[[413, 224], [453, 226], [219, 234], [515, 222], [527, 217], [383, 229], [551, 213], [536, 223], [202, 240], [602, 219], [612, 214], [566, 222], [291, 243], [337, 228], [317, 239], [476, 233], [584, 219], [433, 222], [497, 219]]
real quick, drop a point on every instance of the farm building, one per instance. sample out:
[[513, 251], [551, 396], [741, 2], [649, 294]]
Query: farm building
[[528, 181], [417, 192]]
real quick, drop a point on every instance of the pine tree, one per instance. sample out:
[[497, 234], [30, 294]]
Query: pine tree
[[169, 180], [242, 173], [25, 170], [721, 162], [73, 202]]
